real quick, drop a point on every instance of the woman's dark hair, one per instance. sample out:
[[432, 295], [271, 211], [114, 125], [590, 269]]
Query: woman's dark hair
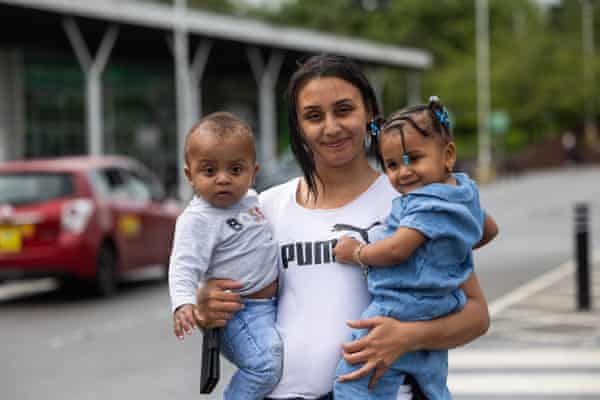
[[436, 119], [321, 66]]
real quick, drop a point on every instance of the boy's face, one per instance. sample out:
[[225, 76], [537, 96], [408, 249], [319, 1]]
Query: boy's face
[[220, 169], [430, 159]]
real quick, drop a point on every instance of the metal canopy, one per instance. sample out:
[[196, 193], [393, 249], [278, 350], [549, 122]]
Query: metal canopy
[[232, 28]]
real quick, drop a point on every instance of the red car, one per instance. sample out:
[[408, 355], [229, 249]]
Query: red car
[[88, 218]]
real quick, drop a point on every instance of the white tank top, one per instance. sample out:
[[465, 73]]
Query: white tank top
[[317, 295]]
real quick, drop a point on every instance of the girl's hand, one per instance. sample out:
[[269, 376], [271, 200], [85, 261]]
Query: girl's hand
[[216, 304], [184, 320], [344, 250], [387, 340]]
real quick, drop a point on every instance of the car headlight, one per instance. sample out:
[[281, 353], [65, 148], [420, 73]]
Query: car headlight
[[76, 215]]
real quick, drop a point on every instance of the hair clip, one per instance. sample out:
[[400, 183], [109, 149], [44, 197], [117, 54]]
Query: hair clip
[[374, 128], [405, 159], [440, 111], [442, 116]]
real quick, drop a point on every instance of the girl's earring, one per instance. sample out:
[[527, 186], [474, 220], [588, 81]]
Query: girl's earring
[[368, 141]]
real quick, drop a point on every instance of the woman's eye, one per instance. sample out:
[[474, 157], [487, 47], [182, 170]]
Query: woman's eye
[[344, 110], [312, 116]]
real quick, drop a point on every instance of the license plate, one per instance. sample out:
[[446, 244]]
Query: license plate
[[10, 240]]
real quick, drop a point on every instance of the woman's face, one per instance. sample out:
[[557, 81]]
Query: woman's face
[[332, 117]]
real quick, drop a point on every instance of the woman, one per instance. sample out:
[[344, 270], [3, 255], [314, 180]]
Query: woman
[[331, 105]]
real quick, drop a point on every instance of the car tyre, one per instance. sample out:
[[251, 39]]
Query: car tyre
[[106, 272]]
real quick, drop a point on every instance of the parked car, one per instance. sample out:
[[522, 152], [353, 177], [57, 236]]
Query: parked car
[[84, 218]]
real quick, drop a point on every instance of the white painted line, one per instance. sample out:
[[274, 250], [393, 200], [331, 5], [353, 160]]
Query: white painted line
[[535, 285], [517, 385], [12, 290], [550, 357]]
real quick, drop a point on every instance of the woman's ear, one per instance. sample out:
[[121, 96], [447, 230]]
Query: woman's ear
[[450, 156]]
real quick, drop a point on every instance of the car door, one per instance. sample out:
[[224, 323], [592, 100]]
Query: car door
[[158, 218], [126, 212]]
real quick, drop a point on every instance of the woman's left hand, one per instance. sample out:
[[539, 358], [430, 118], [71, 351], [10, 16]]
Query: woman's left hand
[[387, 340]]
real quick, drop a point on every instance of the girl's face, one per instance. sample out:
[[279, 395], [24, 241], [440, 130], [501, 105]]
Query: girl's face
[[430, 159], [332, 117]]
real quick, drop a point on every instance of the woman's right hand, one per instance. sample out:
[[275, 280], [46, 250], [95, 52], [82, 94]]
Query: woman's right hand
[[216, 303]]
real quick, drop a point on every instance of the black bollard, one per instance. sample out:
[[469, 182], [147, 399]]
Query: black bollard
[[582, 257]]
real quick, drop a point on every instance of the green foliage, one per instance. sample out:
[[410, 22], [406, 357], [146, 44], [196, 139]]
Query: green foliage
[[536, 55]]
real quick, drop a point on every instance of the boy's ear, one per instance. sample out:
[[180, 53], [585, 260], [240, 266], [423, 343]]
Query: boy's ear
[[450, 156], [188, 173], [256, 169]]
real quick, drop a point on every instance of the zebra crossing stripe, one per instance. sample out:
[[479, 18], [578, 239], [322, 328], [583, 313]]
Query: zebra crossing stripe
[[518, 384], [525, 358]]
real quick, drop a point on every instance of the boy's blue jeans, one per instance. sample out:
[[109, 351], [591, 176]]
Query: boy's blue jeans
[[251, 342]]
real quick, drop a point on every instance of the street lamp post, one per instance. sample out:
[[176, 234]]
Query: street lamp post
[[485, 171], [182, 92], [587, 38]]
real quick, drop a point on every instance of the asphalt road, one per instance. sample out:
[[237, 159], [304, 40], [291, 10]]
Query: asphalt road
[[62, 345]]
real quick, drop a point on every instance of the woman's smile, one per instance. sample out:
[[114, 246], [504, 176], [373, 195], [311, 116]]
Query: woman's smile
[[337, 144]]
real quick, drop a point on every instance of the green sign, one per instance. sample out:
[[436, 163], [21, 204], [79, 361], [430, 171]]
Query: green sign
[[499, 122]]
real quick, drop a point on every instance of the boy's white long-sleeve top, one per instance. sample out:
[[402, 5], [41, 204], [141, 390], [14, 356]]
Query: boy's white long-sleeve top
[[227, 243]]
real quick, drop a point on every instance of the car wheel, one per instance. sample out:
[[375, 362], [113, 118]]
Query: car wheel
[[106, 272]]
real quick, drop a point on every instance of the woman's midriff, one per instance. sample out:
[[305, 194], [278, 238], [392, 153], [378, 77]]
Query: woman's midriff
[[265, 293]]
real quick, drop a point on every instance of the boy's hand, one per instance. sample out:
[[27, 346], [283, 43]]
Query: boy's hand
[[184, 320], [344, 250]]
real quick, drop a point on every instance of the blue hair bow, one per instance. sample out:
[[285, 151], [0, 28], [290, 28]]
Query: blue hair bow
[[443, 117], [374, 128]]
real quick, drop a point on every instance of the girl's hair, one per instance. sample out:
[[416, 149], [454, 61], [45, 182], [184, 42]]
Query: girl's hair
[[428, 119], [321, 66]]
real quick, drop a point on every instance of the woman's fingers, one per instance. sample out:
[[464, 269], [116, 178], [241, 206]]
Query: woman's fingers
[[364, 323], [226, 284], [359, 344], [380, 370], [216, 303], [359, 373], [357, 357]]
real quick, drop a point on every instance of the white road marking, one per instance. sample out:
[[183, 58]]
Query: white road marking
[[549, 371], [517, 384], [549, 357], [536, 285], [104, 329], [14, 290]]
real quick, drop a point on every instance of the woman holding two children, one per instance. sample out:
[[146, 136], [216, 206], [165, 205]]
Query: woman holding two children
[[330, 106]]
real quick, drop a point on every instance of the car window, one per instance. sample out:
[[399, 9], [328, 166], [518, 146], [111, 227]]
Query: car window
[[136, 188], [122, 183], [111, 182], [100, 184], [30, 188], [157, 192]]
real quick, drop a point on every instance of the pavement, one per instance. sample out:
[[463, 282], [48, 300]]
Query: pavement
[[539, 346]]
